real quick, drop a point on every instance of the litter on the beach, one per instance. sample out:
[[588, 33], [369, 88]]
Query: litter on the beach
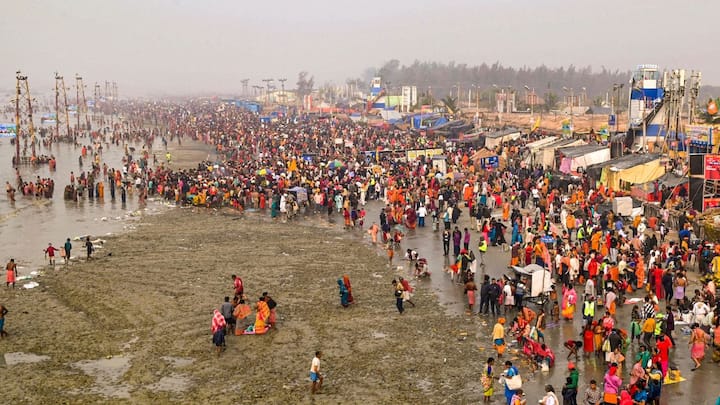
[[30, 285], [631, 301]]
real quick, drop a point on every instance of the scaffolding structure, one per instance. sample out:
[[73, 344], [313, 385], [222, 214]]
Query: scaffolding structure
[[81, 103], [24, 127], [61, 107]]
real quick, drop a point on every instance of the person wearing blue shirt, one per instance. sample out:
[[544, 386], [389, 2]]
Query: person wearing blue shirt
[[510, 371]]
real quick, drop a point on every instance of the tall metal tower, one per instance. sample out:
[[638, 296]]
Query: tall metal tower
[[267, 93], [244, 87], [96, 105], [22, 94], [81, 103], [61, 108]]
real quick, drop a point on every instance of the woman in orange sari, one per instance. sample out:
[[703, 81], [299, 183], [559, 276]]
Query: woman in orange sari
[[241, 311], [261, 318], [506, 210], [640, 273]]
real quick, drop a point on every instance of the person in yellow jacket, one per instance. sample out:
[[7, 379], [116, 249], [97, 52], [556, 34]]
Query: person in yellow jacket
[[482, 249], [570, 224], [648, 330], [498, 336]]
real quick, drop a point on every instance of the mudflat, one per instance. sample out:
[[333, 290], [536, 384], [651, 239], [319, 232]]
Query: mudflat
[[133, 324]]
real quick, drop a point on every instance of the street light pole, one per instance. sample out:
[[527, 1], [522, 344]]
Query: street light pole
[[616, 91], [282, 87], [532, 101], [572, 96], [267, 92]]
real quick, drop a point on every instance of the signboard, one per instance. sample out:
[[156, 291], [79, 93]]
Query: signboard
[[711, 203], [712, 167], [611, 120], [428, 153], [7, 131], [490, 162], [701, 133], [48, 118]]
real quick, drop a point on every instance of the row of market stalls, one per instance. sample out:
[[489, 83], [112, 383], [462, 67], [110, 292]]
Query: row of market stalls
[[642, 176]]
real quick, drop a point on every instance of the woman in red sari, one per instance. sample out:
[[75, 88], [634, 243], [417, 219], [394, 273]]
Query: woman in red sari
[[588, 337], [410, 218], [657, 276], [346, 282]]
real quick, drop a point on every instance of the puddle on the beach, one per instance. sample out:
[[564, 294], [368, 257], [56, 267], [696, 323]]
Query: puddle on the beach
[[178, 361], [172, 383], [378, 335], [12, 359], [107, 373]]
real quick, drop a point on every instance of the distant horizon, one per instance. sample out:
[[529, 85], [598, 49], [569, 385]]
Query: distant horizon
[[184, 47]]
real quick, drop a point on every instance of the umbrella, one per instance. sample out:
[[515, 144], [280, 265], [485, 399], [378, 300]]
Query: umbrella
[[335, 164]]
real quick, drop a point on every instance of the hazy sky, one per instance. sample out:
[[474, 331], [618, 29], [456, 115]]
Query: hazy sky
[[188, 46]]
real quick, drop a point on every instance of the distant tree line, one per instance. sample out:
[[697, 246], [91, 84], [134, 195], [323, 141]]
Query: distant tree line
[[437, 80]]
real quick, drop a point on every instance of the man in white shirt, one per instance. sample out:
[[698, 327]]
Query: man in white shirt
[[315, 376], [421, 213]]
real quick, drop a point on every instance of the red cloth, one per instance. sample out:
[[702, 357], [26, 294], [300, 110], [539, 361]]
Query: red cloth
[[588, 341], [406, 285], [657, 275], [218, 321], [664, 348], [51, 251], [238, 284]]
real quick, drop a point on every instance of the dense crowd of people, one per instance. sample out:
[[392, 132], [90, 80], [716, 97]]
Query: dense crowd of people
[[597, 258]]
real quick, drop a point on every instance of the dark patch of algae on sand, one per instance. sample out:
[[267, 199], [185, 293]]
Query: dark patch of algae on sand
[[149, 306]]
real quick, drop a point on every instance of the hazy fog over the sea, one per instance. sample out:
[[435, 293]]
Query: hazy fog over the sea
[[191, 46]]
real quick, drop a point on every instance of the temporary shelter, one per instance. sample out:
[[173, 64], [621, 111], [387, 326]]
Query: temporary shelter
[[623, 172], [570, 159]]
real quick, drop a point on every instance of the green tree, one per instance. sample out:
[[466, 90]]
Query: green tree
[[304, 85], [551, 101]]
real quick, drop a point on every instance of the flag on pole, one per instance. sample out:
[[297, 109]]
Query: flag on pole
[[536, 125]]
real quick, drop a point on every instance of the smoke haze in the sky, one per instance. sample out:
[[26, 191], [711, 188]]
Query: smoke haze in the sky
[[192, 46]]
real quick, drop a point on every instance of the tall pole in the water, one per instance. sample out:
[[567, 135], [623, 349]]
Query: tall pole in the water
[[17, 119], [57, 106], [65, 105], [31, 126], [97, 118], [78, 83]]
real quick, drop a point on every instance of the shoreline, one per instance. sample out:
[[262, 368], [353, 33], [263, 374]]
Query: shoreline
[[56, 219]]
